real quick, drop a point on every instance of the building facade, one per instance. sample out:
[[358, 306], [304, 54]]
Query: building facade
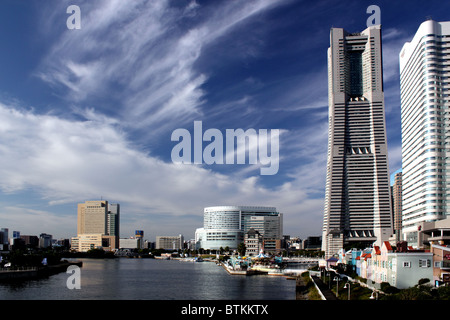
[[225, 226], [401, 269], [113, 221], [95, 218], [441, 265], [253, 242], [397, 205], [170, 242], [88, 241], [357, 196], [424, 85]]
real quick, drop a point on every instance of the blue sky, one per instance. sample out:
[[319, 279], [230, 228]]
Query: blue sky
[[88, 114]]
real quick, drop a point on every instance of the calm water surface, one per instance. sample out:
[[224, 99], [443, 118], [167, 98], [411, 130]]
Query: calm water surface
[[151, 279]]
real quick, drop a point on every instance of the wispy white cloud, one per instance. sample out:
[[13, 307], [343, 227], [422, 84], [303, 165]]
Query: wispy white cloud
[[141, 56], [70, 161]]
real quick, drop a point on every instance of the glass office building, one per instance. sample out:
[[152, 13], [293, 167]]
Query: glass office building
[[225, 226]]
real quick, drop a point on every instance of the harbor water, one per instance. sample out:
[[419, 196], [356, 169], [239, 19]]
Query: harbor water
[[151, 279]]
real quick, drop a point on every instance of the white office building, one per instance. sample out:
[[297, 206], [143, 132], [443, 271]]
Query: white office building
[[425, 84], [225, 226], [357, 196]]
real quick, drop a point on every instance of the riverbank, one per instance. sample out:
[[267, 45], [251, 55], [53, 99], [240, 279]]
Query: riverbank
[[7, 274]]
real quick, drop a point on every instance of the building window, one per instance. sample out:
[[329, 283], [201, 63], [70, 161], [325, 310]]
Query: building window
[[406, 264], [424, 263]]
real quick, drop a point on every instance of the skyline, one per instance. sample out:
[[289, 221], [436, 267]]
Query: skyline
[[88, 114]]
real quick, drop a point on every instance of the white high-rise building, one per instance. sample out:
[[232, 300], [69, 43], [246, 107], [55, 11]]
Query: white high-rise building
[[425, 84], [357, 197], [225, 226]]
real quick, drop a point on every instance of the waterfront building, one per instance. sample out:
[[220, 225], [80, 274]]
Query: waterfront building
[[225, 226], [357, 196], [129, 243], [88, 241], [95, 218], [170, 242], [401, 269], [424, 85], [92, 217], [272, 246], [253, 241]]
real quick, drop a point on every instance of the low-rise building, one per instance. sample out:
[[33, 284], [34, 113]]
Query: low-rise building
[[87, 241], [441, 265], [401, 269], [170, 242], [253, 241]]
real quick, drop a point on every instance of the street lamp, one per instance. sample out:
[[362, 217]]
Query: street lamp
[[347, 285], [337, 286]]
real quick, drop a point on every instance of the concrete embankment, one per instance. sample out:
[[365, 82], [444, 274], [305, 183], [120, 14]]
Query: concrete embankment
[[35, 272]]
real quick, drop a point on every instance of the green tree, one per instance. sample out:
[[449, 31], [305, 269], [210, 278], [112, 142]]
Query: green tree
[[241, 249]]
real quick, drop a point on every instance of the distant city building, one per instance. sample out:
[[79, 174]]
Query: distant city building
[[92, 217], [225, 226], [45, 240], [139, 234], [272, 246], [130, 243], [88, 241], [357, 196], [397, 205], [253, 241], [312, 243], [97, 218], [424, 81], [4, 239], [16, 234], [30, 241], [64, 243], [170, 242], [113, 220]]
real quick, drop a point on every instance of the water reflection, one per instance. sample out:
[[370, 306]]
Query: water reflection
[[149, 279]]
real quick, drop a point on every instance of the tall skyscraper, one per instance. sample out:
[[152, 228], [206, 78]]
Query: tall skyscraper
[[92, 217], [357, 197], [113, 220], [397, 205], [424, 85], [98, 225], [99, 217]]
